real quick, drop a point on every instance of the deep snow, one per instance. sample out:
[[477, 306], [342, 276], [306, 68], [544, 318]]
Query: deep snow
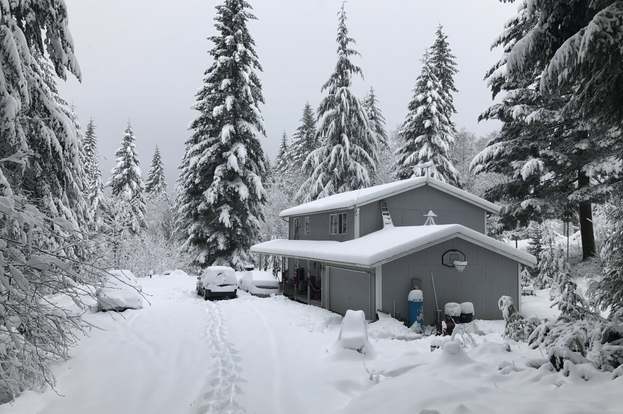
[[181, 354]]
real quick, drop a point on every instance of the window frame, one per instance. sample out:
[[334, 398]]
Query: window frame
[[306, 225], [338, 223]]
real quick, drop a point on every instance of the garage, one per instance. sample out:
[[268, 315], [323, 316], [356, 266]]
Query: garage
[[350, 289]]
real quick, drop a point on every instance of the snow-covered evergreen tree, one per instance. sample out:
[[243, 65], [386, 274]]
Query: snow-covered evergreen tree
[[127, 184], [156, 184], [427, 132], [347, 158], [551, 153], [304, 140], [282, 163], [41, 193], [376, 121], [552, 263], [221, 181], [94, 189], [445, 68], [609, 290]]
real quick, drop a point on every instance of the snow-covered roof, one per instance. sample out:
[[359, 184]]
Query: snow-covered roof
[[368, 195], [387, 244]]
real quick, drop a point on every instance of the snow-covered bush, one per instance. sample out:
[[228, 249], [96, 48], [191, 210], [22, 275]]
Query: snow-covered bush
[[35, 265], [552, 263], [517, 327]]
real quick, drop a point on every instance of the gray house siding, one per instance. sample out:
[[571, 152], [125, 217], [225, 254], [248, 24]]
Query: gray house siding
[[409, 208], [319, 227], [487, 277]]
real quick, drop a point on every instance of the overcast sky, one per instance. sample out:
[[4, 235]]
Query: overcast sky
[[143, 61]]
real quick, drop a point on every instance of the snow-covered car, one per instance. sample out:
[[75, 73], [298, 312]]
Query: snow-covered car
[[217, 282], [118, 291], [258, 282]]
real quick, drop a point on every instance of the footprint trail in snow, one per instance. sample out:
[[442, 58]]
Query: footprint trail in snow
[[224, 379]]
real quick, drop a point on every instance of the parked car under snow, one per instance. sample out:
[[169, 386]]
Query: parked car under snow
[[217, 282], [259, 282], [119, 291]]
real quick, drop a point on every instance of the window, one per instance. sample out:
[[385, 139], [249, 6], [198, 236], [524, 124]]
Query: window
[[337, 223], [307, 225], [295, 227]]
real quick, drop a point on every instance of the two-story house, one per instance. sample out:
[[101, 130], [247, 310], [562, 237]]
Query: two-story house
[[366, 249]]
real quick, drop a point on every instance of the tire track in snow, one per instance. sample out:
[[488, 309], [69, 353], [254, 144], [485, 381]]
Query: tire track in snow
[[277, 374], [224, 378]]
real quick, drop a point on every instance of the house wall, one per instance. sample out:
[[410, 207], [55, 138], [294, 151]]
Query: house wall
[[409, 208], [487, 277], [319, 227]]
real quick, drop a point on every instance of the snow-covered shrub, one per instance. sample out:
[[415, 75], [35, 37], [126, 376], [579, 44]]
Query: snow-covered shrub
[[517, 327], [36, 262], [552, 263]]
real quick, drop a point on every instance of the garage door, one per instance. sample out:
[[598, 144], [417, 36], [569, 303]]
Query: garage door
[[350, 289]]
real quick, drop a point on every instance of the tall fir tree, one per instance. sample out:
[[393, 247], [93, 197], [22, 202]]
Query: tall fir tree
[[221, 180], [347, 157], [282, 163], [427, 132], [94, 189], [41, 187], [156, 183], [445, 67], [127, 184], [304, 139]]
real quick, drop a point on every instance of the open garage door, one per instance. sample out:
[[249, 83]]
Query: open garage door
[[350, 289]]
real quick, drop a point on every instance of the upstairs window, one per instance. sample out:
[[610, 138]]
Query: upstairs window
[[306, 224], [295, 227], [337, 223]]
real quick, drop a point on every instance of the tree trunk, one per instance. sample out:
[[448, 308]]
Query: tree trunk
[[586, 220]]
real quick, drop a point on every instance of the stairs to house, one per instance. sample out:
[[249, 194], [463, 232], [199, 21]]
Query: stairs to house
[[387, 218]]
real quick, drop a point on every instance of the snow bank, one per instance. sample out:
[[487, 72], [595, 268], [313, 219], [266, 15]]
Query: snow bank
[[119, 291], [389, 328]]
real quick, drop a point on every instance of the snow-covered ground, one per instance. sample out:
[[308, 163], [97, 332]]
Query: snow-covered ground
[[181, 354]]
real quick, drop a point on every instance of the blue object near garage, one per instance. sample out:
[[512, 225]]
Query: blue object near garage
[[416, 307]]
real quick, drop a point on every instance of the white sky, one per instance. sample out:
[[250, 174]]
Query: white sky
[[143, 60]]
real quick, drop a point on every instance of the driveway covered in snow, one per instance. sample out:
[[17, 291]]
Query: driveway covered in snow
[[250, 355]]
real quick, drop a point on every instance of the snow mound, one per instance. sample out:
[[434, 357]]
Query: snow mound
[[453, 355], [119, 291], [354, 331], [389, 328]]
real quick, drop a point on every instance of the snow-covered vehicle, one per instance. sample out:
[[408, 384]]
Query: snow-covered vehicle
[[119, 291], [258, 282], [217, 282]]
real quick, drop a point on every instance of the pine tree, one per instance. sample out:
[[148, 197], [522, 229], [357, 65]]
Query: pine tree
[[609, 290], [94, 189], [127, 184], [282, 163], [41, 188], [535, 244], [304, 140], [548, 146], [445, 67], [426, 134], [221, 180], [156, 184], [347, 158], [376, 120]]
